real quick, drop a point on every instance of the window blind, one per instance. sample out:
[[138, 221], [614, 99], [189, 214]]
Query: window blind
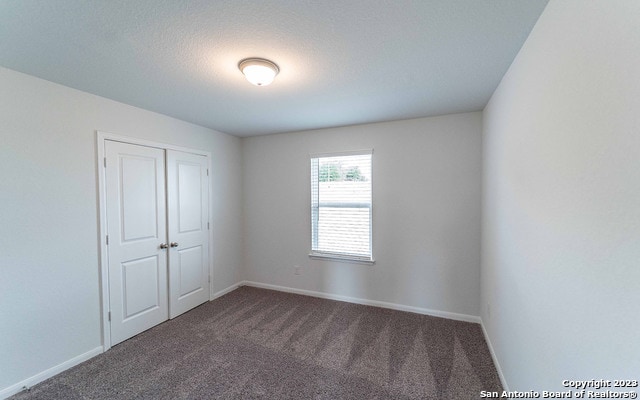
[[341, 206]]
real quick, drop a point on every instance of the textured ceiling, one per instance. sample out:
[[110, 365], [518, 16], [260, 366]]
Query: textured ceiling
[[341, 62]]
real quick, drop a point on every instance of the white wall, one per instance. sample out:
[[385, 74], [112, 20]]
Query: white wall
[[426, 218], [49, 285], [561, 200]]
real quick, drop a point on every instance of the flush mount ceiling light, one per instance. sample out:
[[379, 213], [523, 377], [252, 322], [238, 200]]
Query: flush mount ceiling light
[[258, 71]]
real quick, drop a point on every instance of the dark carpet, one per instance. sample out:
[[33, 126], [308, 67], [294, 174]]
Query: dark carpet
[[262, 344]]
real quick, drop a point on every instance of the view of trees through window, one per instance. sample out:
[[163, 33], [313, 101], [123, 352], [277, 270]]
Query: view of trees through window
[[337, 172]]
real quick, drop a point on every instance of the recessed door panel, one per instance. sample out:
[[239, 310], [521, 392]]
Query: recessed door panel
[[136, 225], [140, 280], [190, 270], [187, 200], [189, 196], [138, 200]]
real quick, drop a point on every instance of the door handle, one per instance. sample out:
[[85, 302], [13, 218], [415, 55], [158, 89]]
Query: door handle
[[174, 244], [163, 245]]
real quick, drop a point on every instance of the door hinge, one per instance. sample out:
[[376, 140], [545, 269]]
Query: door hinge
[[208, 226], [109, 315], [107, 240], [209, 278], [105, 162], [207, 171]]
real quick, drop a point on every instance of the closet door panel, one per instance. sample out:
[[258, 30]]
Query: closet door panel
[[188, 203], [136, 227]]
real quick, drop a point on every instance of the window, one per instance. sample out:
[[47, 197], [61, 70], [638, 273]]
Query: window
[[341, 206]]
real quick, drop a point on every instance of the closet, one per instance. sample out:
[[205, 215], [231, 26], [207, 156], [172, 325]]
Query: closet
[[155, 222]]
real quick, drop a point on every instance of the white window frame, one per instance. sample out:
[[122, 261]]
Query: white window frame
[[325, 255]]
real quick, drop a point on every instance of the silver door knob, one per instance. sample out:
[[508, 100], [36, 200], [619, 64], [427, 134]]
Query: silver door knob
[[174, 244], [163, 245]]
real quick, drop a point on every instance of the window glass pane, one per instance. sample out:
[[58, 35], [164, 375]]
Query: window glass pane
[[344, 230], [341, 205]]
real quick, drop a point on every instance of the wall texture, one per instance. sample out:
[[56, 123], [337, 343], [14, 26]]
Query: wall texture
[[49, 286], [561, 200], [426, 212]]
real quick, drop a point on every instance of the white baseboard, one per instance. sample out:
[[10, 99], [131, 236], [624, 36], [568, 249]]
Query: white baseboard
[[493, 356], [375, 303], [225, 291], [27, 383]]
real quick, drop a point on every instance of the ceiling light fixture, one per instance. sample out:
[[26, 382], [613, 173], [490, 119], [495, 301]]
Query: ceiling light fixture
[[258, 71]]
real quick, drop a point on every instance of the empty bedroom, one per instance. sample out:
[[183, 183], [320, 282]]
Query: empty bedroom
[[293, 199]]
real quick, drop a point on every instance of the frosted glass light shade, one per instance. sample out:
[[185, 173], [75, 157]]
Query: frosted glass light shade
[[259, 71]]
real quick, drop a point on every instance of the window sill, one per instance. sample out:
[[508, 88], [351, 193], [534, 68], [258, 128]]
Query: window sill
[[346, 259]]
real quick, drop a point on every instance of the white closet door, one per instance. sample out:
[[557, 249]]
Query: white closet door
[[188, 212], [136, 227]]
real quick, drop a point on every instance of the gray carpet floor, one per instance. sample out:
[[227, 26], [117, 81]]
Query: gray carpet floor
[[262, 344]]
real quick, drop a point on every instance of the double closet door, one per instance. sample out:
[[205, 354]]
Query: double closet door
[[157, 229]]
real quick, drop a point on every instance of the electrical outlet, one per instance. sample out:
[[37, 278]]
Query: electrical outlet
[[296, 269]]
